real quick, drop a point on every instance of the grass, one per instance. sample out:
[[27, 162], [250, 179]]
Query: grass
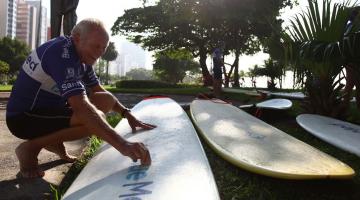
[[5, 88], [180, 91], [75, 169]]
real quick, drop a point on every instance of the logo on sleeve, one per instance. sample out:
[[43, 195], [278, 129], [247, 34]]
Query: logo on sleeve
[[65, 54], [72, 85], [70, 73]]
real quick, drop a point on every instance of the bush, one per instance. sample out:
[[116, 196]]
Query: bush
[[143, 84], [12, 80]]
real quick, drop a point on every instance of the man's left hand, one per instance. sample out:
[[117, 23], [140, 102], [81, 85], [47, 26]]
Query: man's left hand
[[133, 122]]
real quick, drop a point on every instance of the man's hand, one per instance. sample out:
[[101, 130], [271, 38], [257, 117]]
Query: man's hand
[[137, 151], [133, 122]]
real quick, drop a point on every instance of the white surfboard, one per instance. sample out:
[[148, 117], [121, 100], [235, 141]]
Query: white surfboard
[[274, 104], [289, 95], [343, 135], [292, 95], [254, 145], [179, 170], [240, 91]]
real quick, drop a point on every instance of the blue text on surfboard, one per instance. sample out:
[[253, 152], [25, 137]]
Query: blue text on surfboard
[[348, 128], [136, 173]]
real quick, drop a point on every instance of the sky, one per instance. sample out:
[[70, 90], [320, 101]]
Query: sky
[[109, 10]]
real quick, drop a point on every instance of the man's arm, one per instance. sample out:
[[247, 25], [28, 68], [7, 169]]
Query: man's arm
[[89, 116], [120, 108]]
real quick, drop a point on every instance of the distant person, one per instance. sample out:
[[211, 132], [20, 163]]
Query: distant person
[[352, 70], [254, 83], [218, 63], [49, 105], [63, 12]]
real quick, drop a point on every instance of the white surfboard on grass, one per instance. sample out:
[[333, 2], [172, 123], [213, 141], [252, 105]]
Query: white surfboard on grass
[[179, 170], [241, 91], [289, 95], [273, 104], [254, 145], [343, 135]]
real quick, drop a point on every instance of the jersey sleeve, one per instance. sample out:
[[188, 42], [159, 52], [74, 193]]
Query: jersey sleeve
[[90, 79], [64, 71]]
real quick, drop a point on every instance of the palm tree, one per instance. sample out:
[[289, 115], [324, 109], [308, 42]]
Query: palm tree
[[109, 55], [315, 35]]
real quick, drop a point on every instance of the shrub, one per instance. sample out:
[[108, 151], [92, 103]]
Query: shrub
[[12, 80], [143, 84]]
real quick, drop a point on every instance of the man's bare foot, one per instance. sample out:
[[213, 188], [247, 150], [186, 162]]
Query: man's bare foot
[[28, 161], [59, 149]]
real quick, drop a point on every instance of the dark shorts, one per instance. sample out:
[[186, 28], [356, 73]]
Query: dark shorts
[[37, 123], [217, 73]]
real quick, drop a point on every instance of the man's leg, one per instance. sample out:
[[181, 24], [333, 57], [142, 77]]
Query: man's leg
[[350, 83], [28, 151], [217, 87], [56, 17], [104, 102], [60, 150], [69, 22]]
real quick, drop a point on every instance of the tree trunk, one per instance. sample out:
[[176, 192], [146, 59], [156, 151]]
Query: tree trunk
[[207, 79], [236, 71], [107, 73], [227, 76]]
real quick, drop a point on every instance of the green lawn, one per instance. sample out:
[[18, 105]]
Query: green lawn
[[5, 88], [180, 91]]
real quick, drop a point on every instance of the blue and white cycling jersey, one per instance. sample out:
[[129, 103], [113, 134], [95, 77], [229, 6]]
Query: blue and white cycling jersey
[[49, 76]]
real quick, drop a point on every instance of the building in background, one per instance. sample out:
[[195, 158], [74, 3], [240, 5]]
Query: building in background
[[120, 64], [131, 56], [8, 11], [41, 21], [32, 23], [22, 21]]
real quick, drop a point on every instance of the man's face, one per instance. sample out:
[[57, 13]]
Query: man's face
[[91, 46]]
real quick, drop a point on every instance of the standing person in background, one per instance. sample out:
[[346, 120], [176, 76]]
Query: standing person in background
[[49, 105], [352, 69], [63, 12], [218, 63]]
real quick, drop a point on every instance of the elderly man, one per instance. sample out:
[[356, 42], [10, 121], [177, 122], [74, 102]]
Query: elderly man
[[49, 103]]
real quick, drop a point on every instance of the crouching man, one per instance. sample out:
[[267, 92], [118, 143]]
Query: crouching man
[[49, 104]]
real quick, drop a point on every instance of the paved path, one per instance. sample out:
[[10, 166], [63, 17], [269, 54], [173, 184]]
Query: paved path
[[12, 187]]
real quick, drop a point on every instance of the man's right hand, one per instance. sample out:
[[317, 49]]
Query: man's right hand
[[85, 113], [137, 150]]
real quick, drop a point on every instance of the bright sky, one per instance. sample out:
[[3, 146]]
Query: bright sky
[[109, 10]]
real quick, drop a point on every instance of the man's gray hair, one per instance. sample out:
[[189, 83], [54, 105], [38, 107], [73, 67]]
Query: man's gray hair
[[87, 25]]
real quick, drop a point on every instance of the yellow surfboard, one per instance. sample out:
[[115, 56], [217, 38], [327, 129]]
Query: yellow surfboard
[[256, 146]]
